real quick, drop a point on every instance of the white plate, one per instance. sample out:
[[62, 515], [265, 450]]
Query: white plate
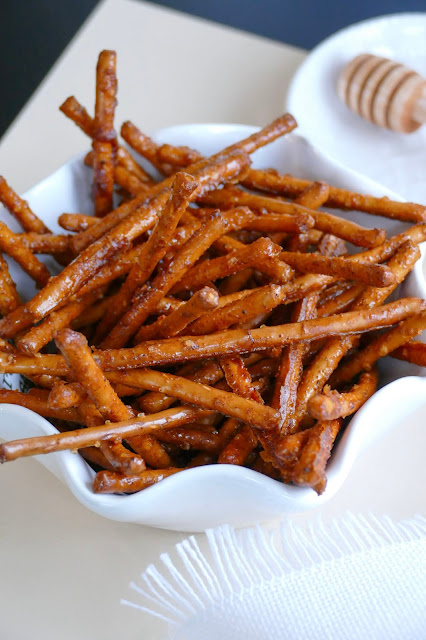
[[393, 159], [208, 496]]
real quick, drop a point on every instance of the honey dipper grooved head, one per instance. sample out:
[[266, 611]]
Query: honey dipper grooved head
[[384, 92]]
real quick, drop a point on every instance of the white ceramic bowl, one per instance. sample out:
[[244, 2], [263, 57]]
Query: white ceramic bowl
[[208, 496]]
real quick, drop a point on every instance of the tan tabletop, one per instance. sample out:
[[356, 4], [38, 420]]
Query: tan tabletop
[[64, 569]]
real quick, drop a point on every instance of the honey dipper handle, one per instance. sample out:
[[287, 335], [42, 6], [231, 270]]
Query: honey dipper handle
[[419, 110]]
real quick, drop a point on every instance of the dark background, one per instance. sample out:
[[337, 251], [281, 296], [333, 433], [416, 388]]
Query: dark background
[[33, 33]]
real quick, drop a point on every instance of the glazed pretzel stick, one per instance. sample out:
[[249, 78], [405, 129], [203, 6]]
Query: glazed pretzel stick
[[9, 297], [286, 185], [127, 173], [79, 115], [12, 244], [200, 395], [239, 379], [340, 303], [253, 255], [246, 341], [309, 470], [40, 335], [414, 352], [290, 370], [44, 242], [92, 436], [112, 482], [380, 347], [20, 209], [313, 197], [326, 222], [118, 456], [331, 404], [76, 221], [39, 405], [104, 137], [108, 405], [190, 437], [235, 341], [373, 275], [201, 302], [79, 357]]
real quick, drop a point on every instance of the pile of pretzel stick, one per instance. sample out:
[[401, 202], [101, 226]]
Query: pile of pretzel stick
[[217, 315]]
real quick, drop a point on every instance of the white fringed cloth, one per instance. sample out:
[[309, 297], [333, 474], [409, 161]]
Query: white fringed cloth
[[358, 577]]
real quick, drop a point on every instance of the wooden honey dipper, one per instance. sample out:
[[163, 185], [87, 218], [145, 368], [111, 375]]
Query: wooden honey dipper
[[384, 92]]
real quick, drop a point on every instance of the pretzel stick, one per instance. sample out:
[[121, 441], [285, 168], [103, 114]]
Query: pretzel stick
[[12, 244], [78, 114], [91, 315], [20, 209], [380, 347], [313, 197], [191, 438], [202, 301], [9, 297], [374, 275], [323, 365], [331, 404], [210, 374], [340, 303], [233, 341], [152, 252], [65, 394], [126, 160], [290, 370], [326, 222], [257, 301], [79, 358], [243, 341], [414, 352], [253, 255], [38, 405], [147, 299], [113, 482], [291, 364], [44, 242], [309, 470], [104, 137], [272, 182], [92, 436], [40, 335], [76, 221], [198, 394], [242, 444], [118, 456], [124, 177], [129, 182]]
